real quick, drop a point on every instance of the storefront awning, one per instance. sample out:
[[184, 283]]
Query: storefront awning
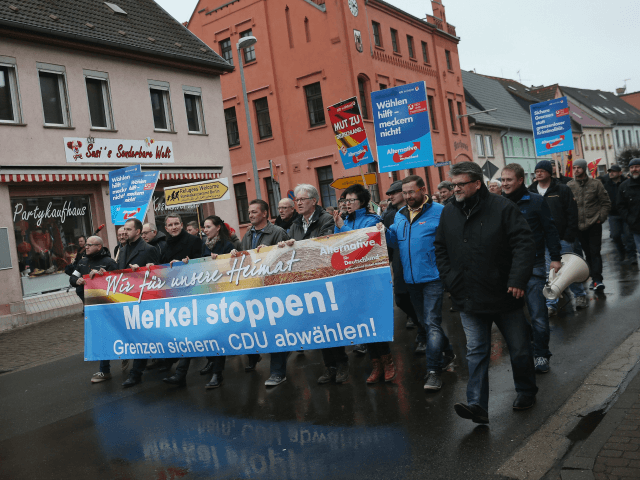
[[24, 175]]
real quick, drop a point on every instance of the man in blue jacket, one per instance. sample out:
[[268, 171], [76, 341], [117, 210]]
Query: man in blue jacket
[[412, 234], [538, 216]]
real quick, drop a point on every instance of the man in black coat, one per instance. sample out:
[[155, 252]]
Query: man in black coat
[[286, 214], [628, 201], [619, 229], [152, 236], [564, 211], [181, 247], [564, 180], [485, 253], [135, 254]]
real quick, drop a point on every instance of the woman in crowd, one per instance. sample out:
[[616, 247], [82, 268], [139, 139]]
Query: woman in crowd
[[218, 239]]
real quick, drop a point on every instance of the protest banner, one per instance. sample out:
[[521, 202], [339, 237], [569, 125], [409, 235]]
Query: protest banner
[[197, 193], [401, 123], [551, 126], [351, 136], [316, 294], [130, 191]]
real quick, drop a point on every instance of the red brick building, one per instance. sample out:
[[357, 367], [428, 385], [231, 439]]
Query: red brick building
[[310, 55]]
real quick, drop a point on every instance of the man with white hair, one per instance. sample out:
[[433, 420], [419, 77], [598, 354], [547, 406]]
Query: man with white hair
[[313, 221], [286, 214], [152, 236], [495, 186]]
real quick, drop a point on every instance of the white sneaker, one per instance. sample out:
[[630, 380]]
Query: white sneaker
[[274, 380], [100, 377]]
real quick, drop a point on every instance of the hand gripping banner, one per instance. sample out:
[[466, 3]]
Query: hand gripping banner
[[320, 293]]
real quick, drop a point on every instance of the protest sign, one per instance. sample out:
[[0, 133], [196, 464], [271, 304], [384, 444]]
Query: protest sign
[[346, 182], [401, 123], [316, 294], [130, 191], [551, 126], [351, 136], [118, 186], [197, 193]]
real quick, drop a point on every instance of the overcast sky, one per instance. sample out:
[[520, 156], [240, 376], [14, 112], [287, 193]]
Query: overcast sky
[[576, 43]]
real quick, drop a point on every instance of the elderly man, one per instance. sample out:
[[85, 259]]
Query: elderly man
[[122, 241], [313, 221], [538, 215], [594, 205], [152, 236], [445, 190], [286, 214], [495, 186], [619, 229], [628, 201], [96, 261], [485, 253]]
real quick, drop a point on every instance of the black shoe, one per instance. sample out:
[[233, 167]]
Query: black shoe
[[360, 349], [342, 373], [523, 402], [208, 368], [421, 348], [252, 365], [215, 382], [447, 360], [433, 381], [410, 323], [176, 379], [475, 413], [131, 381], [328, 375]]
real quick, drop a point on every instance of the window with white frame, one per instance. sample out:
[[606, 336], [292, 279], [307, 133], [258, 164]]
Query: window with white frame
[[55, 98], [161, 105], [99, 98], [193, 104], [479, 145], [9, 98], [488, 141]]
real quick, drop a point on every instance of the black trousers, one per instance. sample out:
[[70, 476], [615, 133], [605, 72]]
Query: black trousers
[[403, 301], [591, 241], [377, 350], [138, 367], [218, 364], [333, 356]]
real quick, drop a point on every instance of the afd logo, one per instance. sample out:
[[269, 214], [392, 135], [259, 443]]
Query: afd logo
[[131, 213]]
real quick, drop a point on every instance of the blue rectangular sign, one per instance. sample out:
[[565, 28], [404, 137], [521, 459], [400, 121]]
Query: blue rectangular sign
[[118, 185], [401, 123], [130, 192], [551, 123], [322, 313]]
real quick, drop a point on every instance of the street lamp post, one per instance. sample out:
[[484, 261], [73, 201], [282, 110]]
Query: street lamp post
[[243, 43]]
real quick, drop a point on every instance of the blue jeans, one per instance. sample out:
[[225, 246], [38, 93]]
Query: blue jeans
[[105, 366], [536, 304], [515, 330], [636, 238], [427, 302], [622, 236], [279, 363], [576, 288]]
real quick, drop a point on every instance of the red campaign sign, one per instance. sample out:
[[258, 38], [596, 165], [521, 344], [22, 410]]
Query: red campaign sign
[[418, 107], [149, 186], [562, 113]]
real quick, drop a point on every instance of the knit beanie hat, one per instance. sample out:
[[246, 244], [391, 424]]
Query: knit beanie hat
[[544, 165], [582, 163]]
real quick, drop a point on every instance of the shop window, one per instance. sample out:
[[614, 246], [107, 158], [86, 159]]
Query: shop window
[[188, 213], [425, 52], [447, 55], [271, 199], [99, 98], [479, 145], [394, 40], [242, 202], [193, 106], [55, 99], [315, 107], [452, 115], [264, 120], [377, 40], [432, 113], [46, 244], [362, 91], [250, 52], [225, 50], [160, 106], [9, 99], [460, 117], [410, 46], [327, 193], [233, 135]]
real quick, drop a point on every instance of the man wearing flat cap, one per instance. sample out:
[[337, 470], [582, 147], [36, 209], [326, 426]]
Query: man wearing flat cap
[[619, 229], [628, 201]]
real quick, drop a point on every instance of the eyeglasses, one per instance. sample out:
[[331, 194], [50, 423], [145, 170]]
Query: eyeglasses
[[462, 184], [91, 244], [300, 200], [409, 192], [351, 200]]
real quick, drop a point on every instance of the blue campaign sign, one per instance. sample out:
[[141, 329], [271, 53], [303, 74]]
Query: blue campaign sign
[[401, 123], [305, 315], [551, 126], [118, 185], [134, 201]]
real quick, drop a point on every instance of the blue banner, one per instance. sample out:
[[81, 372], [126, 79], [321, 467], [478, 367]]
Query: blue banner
[[401, 123], [118, 186], [328, 312], [551, 126], [130, 191]]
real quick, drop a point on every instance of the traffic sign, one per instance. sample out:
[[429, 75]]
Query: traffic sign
[[342, 183]]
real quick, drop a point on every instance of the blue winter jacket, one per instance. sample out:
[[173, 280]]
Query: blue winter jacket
[[414, 242], [363, 219]]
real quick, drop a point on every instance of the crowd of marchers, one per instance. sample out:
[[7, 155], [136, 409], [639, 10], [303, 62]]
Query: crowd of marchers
[[489, 248]]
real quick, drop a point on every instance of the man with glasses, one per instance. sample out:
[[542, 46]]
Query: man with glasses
[[153, 237], [485, 253], [313, 221], [122, 241], [286, 214]]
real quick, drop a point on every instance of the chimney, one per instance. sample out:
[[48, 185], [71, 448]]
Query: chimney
[[620, 91], [438, 10]]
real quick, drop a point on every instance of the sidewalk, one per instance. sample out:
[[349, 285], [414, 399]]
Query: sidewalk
[[41, 343], [612, 451]]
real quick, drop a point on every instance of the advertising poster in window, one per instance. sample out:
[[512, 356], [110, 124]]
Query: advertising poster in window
[[551, 126], [130, 192], [351, 136], [401, 123]]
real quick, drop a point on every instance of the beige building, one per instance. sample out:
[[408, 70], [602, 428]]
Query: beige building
[[83, 91]]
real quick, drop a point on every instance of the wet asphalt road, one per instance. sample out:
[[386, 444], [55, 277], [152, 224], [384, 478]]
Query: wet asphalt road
[[55, 424]]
